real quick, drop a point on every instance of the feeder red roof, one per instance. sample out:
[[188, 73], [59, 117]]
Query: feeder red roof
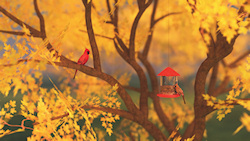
[[168, 72]]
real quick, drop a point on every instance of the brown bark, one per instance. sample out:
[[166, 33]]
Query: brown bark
[[213, 79], [217, 51], [92, 41], [200, 108]]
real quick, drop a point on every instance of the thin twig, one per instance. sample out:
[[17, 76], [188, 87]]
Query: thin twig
[[133, 30], [235, 62], [132, 88], [99, 35], [166, 15], [41, 19], [33, 31]]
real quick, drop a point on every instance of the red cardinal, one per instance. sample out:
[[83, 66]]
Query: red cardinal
[[179, 91], [83, 59]]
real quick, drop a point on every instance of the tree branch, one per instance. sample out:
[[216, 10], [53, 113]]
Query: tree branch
[[223, 49], [164, 16], [99, 35], [93, 72], [109, 10], [119, 112], [222, 86], [213, 79], [96, 56], [14, 32], [133, 30], [115, 22], [234, 64], [123, 54], [132, 88], [232, 102], [140, 3], [41, 19], [150, 35], [133, 63], [169, 125], [21, 126], [33, 31]]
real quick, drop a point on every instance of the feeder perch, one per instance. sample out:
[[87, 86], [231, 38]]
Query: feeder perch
[[168, 78]]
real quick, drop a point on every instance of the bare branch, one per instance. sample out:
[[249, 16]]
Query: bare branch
[[213, 79], [99, 35], [168, 124], [122, 44], [13, 32], [21, 126], [109, 10], [164, 16], [140, 3], [234, 64], [224, 63], [115, 22], [20, 61], [150, 35], [220, 89], [92, 40], [132, 88], [123, 54], [33, 31], [133, 30], [41, 19]]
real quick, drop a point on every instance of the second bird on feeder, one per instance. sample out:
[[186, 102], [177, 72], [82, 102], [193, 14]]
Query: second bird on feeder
[[179, 91]]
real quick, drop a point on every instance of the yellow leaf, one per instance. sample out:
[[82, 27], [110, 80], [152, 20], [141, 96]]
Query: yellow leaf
[[220, 116], [1, 126], [210, 103], [7, 47], [26, 30], [206, 96], [117, 117], [228, 111], [2, 112], [177, 138], [190, 139], [12, 110], [109, 131], [104, 124], [37, 74], [115, 87], [221, 101], [8, 116], [6, 105]]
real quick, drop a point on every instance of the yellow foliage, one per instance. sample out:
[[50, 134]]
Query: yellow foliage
[[65, 30]]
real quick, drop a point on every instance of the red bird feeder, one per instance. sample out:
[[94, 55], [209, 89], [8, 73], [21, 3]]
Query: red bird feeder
[[168, 79]]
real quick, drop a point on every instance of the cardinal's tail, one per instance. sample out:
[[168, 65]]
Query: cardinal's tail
[[183, 99], [75, 75]]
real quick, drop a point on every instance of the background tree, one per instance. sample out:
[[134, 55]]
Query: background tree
[[122, 30]]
